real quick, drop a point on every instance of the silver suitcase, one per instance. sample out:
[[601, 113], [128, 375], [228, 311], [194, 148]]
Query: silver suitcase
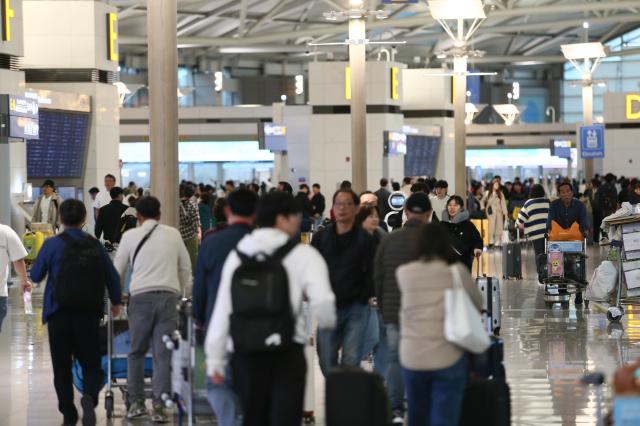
[[490, 290]]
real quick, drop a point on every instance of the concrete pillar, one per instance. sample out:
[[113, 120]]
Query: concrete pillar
[[587, 119], [163, 105], [357, 63], [459, 101]]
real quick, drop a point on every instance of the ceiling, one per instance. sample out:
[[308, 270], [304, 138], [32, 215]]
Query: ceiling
[[516, 31]]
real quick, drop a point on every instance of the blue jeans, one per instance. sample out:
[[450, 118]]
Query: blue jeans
[[3, 310], [435, 397], [392, 372], [371, 337], [224, 401], [347, 335]]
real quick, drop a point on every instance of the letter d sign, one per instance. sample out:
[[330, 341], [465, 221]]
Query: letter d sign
[[631, 114]]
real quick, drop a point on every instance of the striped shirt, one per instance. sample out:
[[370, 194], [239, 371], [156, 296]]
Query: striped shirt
[[534, 216]]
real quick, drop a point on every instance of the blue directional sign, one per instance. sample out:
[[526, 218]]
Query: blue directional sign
[[592, 141]]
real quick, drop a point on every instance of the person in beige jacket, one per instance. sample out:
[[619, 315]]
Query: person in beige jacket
[[434, 371], [496, 213]]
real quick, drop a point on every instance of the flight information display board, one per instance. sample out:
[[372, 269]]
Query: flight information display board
[[60, 151], [422, 155]]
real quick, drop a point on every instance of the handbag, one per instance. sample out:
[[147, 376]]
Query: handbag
[[463, 323]]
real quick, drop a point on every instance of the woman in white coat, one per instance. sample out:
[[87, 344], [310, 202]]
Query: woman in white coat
[[496, 213]]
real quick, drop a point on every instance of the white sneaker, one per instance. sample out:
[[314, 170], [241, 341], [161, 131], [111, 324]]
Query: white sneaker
[[398, 420]]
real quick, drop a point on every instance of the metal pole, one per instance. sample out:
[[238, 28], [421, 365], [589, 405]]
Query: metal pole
[[163, 105], [459, 101], [587, 118], [357, 63]]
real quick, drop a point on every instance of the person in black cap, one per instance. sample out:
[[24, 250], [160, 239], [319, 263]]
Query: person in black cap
[[46, 209], [108, 222], [395, 250]]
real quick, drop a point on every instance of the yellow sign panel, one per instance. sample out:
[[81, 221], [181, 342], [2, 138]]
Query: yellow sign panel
[[395, 94], [631, 100], [347, 83], [7, 15], [112, 37]]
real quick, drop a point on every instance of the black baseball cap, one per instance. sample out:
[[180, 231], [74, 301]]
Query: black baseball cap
[[418, 203]]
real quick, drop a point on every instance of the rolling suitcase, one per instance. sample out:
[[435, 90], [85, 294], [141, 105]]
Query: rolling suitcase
[[490, 365], [355, 397], [512, 259], [489, 287], [486, 403]]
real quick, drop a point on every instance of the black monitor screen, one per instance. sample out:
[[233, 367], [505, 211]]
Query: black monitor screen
[[422, 155], [60, 150]]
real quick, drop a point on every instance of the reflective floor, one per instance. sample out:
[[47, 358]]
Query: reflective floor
[[547, 351]]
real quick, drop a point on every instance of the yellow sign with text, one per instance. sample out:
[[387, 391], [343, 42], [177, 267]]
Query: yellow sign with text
[[633, 100], [112, 37], [7, 15], [395, 83]]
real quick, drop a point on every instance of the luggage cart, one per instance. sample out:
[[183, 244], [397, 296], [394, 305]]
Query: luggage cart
[[558, 286]]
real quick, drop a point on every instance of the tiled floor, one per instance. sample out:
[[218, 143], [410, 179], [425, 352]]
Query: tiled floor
[[547, 351]]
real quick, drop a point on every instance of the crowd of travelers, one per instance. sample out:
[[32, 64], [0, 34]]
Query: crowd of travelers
[[375, 292]]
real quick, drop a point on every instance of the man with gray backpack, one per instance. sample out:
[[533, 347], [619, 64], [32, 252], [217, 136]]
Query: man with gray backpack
[[258, 315]]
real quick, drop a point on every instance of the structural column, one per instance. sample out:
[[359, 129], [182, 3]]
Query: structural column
[[357, 63], [587, 119], [163, 105], [459, 102]]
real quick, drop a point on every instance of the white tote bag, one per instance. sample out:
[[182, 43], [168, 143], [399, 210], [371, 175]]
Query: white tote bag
[[463, 323]]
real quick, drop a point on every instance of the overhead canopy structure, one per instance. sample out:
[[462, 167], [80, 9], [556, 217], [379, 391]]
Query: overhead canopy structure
[[524, 31]]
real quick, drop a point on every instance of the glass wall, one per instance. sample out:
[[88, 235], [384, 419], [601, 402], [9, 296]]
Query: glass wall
[[615, 74]]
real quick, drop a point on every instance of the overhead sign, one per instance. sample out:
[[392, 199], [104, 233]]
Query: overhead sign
[[592, 141], [633, 107], [112, 37], [561, 148], [395, 82], [7, 15]]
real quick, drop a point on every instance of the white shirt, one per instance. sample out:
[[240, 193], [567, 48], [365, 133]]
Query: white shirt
[[45, 203], [308, 275], [438, 205], [11, 250], [163, 263]]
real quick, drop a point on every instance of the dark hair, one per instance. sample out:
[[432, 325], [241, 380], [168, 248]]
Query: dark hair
[[140, 192], [364, 212], [72, 213], [441, 184], [218, 210], [433, 243], [273, 205], [610, 177], [110, 176], [457, 199], [115, 192], [395, 186], [561, 184], [304, 186], [206, 198], [595, 183], [187, 190], [94, 190], [286, 187], [406, 180], [230, 182], [131, 200], [354, 196], [48, 183], [242, 202], [420, 187], [254, 187], [537, 191], [345, 185], [316, 185], [148, 207], [384, 182]]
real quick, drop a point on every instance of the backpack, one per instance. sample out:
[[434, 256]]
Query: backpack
[[127, 222], [262, 319], [80, 285]]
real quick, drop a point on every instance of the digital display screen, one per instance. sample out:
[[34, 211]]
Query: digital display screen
[[397, 200], [274, 137], [60, 150], [23, 107], [23, 127], [422, 155], [561, 148], [395, 143]]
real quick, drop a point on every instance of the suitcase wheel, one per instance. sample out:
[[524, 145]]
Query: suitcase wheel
[[108, 405], [308, 419]]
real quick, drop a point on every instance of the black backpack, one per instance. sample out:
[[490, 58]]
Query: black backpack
[[80, 285], [262, 320]]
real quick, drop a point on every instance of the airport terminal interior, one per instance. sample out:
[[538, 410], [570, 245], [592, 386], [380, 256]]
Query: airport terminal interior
[[355, 148]]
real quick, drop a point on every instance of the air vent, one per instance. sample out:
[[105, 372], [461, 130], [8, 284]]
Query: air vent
[[65, 75], [8, 62]]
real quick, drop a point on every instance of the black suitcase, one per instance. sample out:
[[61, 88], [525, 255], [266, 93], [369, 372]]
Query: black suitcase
[[512, 261], [490, 365], [489, 288], [355, 397], [575, 267], [486, 403]]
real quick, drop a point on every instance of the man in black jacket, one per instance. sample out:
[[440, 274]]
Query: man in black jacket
[[383, 198], [395, 250], [108, 220], [318, 202], [348, 251]]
